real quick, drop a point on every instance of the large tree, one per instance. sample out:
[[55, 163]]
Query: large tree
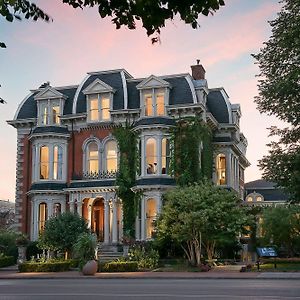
[[201, 216], [279, 95], [151, 13]]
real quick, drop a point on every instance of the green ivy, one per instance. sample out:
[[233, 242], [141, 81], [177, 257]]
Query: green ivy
[[127, 142], [185, 152]]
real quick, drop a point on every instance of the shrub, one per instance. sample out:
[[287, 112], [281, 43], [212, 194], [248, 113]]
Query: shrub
[[6, 261], [50, 266], [8, 243], [33, 250], [119, 266]]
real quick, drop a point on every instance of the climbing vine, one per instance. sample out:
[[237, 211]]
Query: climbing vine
[[187, 152], [127, 142]]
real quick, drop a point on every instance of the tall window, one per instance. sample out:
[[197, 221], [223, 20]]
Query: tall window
[[42, 216], [44, 113], [165, 155], [44, 162], [221, 169], [57, 162], [111, 154], [151, 212], [99, 107], [49, 112], [154, 102], [93, 158], [55, 114], [151, 156]]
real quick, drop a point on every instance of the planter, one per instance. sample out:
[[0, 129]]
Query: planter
[[90, 268], [21, 254], [125, 250]]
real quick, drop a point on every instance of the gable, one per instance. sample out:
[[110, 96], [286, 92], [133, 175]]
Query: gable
[[49, 93], [152, 82], [97, 87]]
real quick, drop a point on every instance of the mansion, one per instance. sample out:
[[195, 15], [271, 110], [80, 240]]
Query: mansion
[[67, 156]]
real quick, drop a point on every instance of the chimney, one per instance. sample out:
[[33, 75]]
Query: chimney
[[198, 72]]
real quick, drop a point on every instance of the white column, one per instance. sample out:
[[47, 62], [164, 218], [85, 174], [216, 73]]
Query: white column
[[72, 203], [36, 221], [63, 206], [106, 221], [89, 215], [228, 168], [143, 220], [79, 205], [120, 222], [114, 221], [49, 208], [143, 155], [137, 228], [158, 144]]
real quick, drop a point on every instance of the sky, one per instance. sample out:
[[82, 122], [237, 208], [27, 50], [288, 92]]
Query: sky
[[79, 41]]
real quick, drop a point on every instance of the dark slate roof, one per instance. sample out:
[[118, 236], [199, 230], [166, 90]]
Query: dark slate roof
[[92, 183], [221, 139], [112, 79], [28, 109], [70, 93], [155, 181], [133, 94], [55, 129], [48, 186], [155, 120], [270, 194], [180, 92], [259, 184], [216, 104]]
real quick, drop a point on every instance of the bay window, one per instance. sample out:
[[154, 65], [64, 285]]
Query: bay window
[[44, 162], [151, 156]]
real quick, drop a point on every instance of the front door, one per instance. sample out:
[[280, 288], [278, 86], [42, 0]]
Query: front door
[[97, 225]]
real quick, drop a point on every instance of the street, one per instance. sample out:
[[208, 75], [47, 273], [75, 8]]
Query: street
[[125, 289]]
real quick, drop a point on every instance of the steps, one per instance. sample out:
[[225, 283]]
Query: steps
[[109, 252]]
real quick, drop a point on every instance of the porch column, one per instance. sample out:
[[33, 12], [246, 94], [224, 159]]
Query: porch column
[[106, 221], [143, 220], [89, 215], [120, 210], [137, 228], [49, 209], [79, 205], [114, 221], [72, 203], [35, 220]]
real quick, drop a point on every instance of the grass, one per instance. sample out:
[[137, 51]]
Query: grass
[[281, 267]]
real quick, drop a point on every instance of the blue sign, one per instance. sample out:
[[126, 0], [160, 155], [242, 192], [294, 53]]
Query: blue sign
[[266, 252]]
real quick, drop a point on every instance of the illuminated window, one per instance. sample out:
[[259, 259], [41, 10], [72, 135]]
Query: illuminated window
[[249, 199], [165, 155], [49, 112], [148, 105], [57, 162], [154, 102], [99, 107], [258, 198], [44, 162], [44, 113], [93, 158], [160, 104], [151, 156], [42, 216], [221, 169], [55, 115], [151, 212], [111, 152]]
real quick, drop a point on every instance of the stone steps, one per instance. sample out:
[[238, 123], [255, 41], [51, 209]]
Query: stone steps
[[109, 252]]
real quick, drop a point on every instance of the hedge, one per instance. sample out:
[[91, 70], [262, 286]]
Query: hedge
[[6, 261], [119, 266], [59, 266]]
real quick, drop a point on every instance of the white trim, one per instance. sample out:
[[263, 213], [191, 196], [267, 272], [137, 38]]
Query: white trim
[[160, 83], [104, 88], [124, 89], [55, 94], [109, 72], [190, 83], [77, 93], [21, 104]]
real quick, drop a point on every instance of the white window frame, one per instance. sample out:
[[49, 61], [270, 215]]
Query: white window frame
[[49, 103], [99, 97], [154, 92]]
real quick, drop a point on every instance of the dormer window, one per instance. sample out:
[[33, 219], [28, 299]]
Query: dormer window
[[99, 101], [154, 95]]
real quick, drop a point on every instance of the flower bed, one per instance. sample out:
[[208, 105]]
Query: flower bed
[[57, 266]]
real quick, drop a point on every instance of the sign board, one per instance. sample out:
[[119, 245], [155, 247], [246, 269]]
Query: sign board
[[266, 252]]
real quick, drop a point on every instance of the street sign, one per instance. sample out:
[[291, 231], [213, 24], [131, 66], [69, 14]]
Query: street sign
[[266, 252]]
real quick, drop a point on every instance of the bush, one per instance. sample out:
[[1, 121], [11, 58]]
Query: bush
[[8, 243], [55, 266], [119, 266], [6, 261], [33, 250]]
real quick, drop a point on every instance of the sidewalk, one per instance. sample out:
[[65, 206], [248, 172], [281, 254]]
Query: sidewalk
[[12, 273]]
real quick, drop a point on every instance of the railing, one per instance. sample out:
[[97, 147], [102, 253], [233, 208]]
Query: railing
[[95, 175]]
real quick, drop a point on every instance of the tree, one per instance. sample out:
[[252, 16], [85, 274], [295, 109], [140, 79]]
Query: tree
[[61, 233], [152, 14], [281, 227], [201, 215], [279, 90]]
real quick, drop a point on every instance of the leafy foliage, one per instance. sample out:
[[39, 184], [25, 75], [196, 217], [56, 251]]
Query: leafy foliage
[[279, 91], [61, 233], [186, 139], [127, 142], [201, 215], [281, 227], [8, 243]]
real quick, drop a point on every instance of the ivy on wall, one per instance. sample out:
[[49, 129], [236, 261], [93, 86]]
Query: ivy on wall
[[127, 142], [186, 151]]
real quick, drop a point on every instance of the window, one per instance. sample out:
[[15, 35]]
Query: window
[[165, 156], [44, 162], [111, 153], [93, 158], [42, 216], [151, 156], [258, 198], [151, 212], [99, 107], [154, 102], [50, 112], [57, 162], [249, 199], [221, 169]]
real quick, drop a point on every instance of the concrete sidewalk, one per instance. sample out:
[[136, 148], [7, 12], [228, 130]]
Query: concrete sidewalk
[[12, 273]]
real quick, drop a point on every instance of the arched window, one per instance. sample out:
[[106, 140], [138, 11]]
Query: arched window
[[165, 155], [57, 162], [44, 162], [93, 158], [111, 154], [151, 212], [151, 156], [57, 209], [42, 216], [221, 169]]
